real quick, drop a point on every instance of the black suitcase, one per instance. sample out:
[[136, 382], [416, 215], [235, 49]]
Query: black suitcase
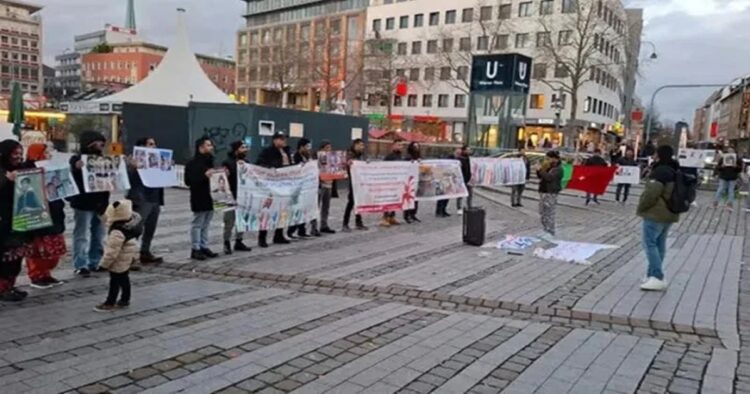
[[474, 226]]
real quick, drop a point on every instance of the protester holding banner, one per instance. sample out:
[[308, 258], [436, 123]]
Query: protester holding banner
[[389, 218], [198, 179], [277, 155], [326, 190], [47, 244], [550, 176], [13, 246], [302, 156], [356, 152], [463, 155], [414, 154], [595, 161], [728, 168], [517, 190], [147, 202], [237, 152], [623, 189], [88, 231]]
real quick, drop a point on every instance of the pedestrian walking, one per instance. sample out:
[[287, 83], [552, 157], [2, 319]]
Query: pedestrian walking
[[198, 179], [275, 156], [88, 230], [356, 152], [595, 161], [47, 244], [326, 191], [728, 173], [147, 202], [121, 249], [301, 156], [550, 175], [237, 153], [463, 155], [623, 189], [13, 246], [657, 217], [413, 154], [389, 218], [517, 190]]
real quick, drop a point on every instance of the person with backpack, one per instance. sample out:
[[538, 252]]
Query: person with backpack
[[664, 198], [729, 173]]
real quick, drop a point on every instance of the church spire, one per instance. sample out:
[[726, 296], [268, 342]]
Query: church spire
[[130, 15]]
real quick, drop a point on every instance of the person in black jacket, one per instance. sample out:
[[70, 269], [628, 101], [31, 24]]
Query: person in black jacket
[[356, 152], [597, 161], [729, 173], [147, 202], [301, 156], [198, 179], [627, 160], [13, 246], [414, 153], [275, 156], [88, 231], [517, 190], [389, 218], [237, 152], [463, 155], [550, 176]]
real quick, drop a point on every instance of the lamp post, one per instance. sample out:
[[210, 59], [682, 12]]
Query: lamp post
[[653, 55], [656, 92]]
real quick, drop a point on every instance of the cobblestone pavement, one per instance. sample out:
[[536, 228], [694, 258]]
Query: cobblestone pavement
[[407, 309]]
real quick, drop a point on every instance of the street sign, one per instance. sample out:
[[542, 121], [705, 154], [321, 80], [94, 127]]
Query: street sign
[[501, 72]]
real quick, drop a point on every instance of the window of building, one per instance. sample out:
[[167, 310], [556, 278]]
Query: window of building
[[569, 6], [539, 71], [443, 100], [467, 15], [427, 100], [400, 72], [445, 73], [522, 40], [416, 48], [450, 17], [546, 7], [459, 101], [485, 13], [397, 101], [401, 48], [390, 23], [414, 74], [501, 41], [462, 73], [412, 100], [561, 71], [464, 44], [376, 25], [564, 37], [483, 43], [277, 34], [543, 39], [536, 101], [429, 73], [524, 9], [448, 45], [434, 18], [304, 32], [418, 20], [403, 22], [335, 27], [432, 46]]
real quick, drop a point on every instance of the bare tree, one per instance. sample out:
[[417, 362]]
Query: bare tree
[[333, 73], [380, 77], [287, 60]]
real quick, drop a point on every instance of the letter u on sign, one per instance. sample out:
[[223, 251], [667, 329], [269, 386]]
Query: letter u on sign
[[492, 72], [523, 68]]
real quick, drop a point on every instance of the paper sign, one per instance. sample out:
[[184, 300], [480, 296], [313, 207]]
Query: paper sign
[[384, 186], [332, 165], [266, 127], [628, 175], [30, 208], [220, 192], [692, 158], [356, 133], [440, 180], [58, 180], [296, 130], [104, 173], [729, 160], [497, 172], [155, 167]]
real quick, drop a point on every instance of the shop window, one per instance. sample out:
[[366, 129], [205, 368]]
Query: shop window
[[536, 101]]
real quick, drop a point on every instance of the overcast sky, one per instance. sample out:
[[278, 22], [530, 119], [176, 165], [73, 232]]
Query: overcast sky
[[697, 41]]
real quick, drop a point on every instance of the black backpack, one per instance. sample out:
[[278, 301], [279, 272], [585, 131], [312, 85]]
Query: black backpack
[[683, 193]]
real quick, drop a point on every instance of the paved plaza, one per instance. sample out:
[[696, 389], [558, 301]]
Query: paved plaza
[[407, 309]]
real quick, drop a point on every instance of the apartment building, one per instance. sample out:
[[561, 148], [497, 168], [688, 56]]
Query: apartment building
[[20, 47]]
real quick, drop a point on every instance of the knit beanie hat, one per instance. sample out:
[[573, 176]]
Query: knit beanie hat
[[119, 211]]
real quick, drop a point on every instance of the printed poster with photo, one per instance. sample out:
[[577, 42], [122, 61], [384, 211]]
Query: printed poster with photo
[[266, 127], [58, 180], [30, 207], [440, 180], [332, 165], [155, 167], [271, 198], [497, 172], [692, 158], [105, 173], [627, 175], [384, 186], [221, 194], [729, 160]]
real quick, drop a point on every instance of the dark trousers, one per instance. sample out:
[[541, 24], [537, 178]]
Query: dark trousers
[[150, 215], [620, 188], [277, 235], [590, 197], [441, 207], [119, 284], [349, 209], [412, 213], [9, 271], [516, 193]]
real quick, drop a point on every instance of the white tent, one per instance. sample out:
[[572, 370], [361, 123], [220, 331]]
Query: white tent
[[177, 81]]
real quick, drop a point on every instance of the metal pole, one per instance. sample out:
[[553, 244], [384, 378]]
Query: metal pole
[[653, 97]]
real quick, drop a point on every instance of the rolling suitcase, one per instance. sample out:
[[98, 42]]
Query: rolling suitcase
[[474, 226]]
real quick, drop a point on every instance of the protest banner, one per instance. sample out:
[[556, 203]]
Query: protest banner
[[692, 158], [628, 175], [486, 171], [104, 173], [30, 207], [155, 167], [440, 180], [58, 180], [271, 198], [332, 165], [384, 186], [220, 192]]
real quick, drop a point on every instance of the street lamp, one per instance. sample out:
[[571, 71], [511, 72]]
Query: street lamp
[[653, 56], [653, 97]]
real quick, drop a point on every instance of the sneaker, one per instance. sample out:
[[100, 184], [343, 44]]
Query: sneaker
[[227, 248], [316, 233], [328, 230], [446, 215], [262, 244], [346, 229], [98, 269], [282, 241], [197, 255], [240, 246], [11, 296], [40, 284], [83, 273], [460, 212], [122, 305], [408, 220], [20, 292], [653, 284], [385, 223], [104, 308], [148, 258], [208, 253], [52, 281], [362, 227], [416, 219]]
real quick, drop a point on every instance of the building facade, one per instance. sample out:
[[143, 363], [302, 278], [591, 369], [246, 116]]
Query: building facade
[[20, 47], [302, 54], [433, 43], [129, 63], [725, 116]]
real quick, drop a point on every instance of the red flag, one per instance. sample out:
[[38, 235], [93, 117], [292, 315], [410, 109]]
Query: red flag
[[591, 179]]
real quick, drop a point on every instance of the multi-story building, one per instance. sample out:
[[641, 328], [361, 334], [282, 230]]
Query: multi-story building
[[303, 54], [433, 42], [20, 47], [129, 63]]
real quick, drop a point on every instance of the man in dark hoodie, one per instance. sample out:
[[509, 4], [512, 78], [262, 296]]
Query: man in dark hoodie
[[198, 179], [275, 156], [550, 176], [389, 218], [237, 152], [356, 152], [595, 161], [147, 202], [463, 155], [88, 231], [657, 218], [627, 160]]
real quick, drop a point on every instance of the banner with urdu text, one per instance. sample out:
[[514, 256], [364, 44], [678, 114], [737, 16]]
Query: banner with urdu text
[[384, 186], [440, 180], [271, 198], [487, 171]]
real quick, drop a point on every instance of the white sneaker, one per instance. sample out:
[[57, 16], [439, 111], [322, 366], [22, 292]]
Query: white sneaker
[[653, 284], [460, 212]]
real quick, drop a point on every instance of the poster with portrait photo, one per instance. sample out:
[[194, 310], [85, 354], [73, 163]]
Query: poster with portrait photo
[[30, 207], [155, 167], [104, 173], [58, 180], [266, 127], [220, 192]]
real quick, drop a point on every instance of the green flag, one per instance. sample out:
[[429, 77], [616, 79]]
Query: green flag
[[16, 111], [567, 174]]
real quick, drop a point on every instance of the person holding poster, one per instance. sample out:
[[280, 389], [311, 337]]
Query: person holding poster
[[13, 246], [517, 190], [624, 188], [356, 152], [147, 202], [88, 231], [237, 152], [301, 156], [389, 218], [550, 175], [47, 244], [728, 169], [198, 178], [277, 155], [595, 161], [326, 191], [414, 154], [463, 155]]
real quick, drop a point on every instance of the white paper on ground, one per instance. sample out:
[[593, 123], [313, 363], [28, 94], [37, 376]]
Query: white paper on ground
[[573, 252]]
